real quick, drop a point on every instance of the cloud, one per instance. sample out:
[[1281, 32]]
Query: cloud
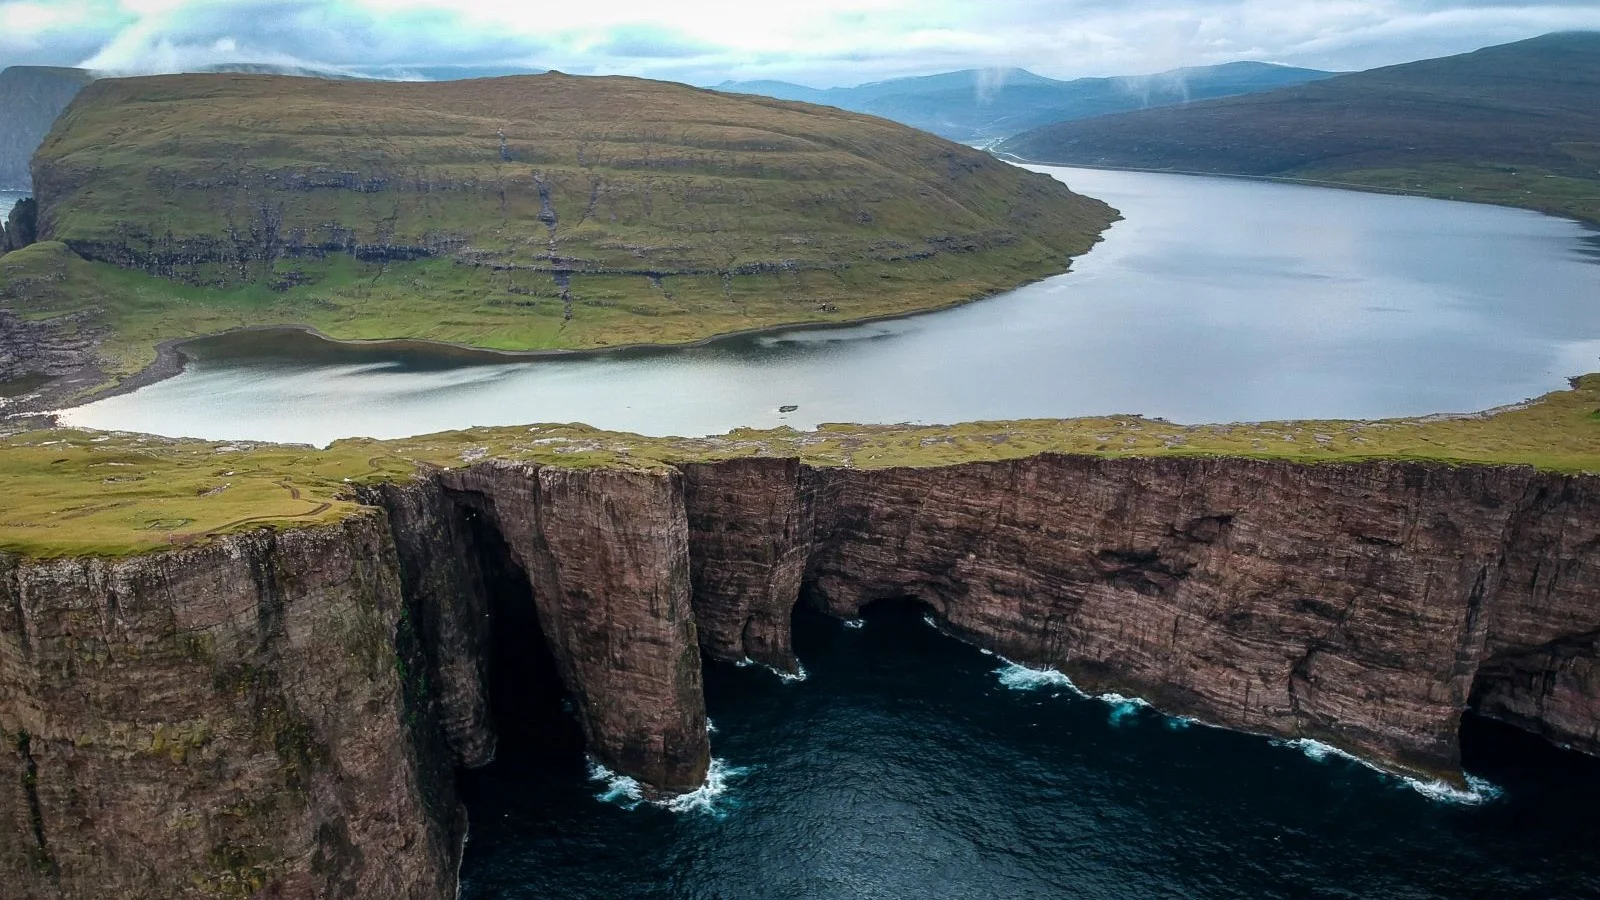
[[821, 42]]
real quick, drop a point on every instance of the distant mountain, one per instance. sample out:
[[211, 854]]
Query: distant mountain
[[1517, 124], [978, 105], [30, 99]]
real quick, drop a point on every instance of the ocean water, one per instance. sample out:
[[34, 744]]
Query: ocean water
[[910, 765]]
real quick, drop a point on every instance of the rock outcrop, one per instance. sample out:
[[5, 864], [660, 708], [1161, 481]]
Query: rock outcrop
[[221, 721], [282, 713]]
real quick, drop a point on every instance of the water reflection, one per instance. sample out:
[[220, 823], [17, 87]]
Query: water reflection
[[1214, 300]]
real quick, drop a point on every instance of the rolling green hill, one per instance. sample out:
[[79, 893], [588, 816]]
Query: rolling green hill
[[528, 212], [1517, 124], [979, 105]]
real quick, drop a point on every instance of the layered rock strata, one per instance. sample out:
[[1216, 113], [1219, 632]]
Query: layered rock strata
[[283, 713], [221, 721]]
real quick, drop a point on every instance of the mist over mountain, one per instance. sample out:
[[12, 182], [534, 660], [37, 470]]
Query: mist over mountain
[[979, 105], [1517, 124], [31, 97]]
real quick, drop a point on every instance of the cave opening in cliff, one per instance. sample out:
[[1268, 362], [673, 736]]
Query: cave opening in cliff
[[529, 705]]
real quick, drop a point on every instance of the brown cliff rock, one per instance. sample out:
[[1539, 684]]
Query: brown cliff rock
[[448, 612], [1541, 664], [283, 712], [750, 526], [606, 554], [1341, 603], [213, 722]]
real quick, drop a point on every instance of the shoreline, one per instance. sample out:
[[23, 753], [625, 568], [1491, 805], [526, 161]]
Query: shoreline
[[1354, 186], [171, 358]]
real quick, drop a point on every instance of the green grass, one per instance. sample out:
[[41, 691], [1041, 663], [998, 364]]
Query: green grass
[[88, 493], [1526, 187], [444, 300], [1517, 124], [205, 202]]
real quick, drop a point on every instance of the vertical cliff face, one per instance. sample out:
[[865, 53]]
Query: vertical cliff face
[[750, 534], [1363, 605], [446, 621], [281, 714], [214, 722], [1541, 663], [606, 555], [1342, 603]]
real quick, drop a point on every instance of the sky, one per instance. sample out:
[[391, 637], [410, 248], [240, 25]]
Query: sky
[[821, 43]]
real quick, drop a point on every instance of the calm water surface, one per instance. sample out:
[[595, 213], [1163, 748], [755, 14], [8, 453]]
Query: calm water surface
[[906, 767], [1214, 300]]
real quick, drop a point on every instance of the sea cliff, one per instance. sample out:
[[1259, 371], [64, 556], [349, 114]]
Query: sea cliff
[[280, 713]]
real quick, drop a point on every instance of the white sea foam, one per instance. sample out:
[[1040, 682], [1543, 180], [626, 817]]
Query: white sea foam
[[1124, 708], [710, 727], [800, 673], [622, 790], [1019, 677], [1478, 790], [855, 623], [711, 797]]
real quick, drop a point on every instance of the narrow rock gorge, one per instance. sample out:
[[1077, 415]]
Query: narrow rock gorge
[[281, 714]]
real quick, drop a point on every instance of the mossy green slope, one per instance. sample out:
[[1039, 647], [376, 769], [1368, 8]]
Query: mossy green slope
[[526, 212], [78, 492], [1516, 124]]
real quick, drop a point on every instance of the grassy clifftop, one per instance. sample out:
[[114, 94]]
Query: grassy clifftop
[[526, 212], [76, 492], [1517, 124]]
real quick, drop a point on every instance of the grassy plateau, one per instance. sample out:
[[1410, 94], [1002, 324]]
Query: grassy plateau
[[92, 493], [1517, 124], [523, 213]]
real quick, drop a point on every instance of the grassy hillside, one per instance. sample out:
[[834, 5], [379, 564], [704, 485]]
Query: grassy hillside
[[520, 213], [980, 105], [74, 492], [30, 99], [1517, 124]]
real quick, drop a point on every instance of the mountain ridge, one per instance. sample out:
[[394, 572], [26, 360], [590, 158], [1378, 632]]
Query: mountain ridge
[[976, 105], [1516, 124]]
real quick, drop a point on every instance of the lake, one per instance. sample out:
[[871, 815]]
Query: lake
[[1215, 300]]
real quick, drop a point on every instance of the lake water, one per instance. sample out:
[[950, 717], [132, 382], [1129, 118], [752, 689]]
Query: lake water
[[1215, 300], [909, 765]]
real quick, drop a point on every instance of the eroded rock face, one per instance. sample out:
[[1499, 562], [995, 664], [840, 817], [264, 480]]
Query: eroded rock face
[[285, 712], [606, 553], [750, 537], [213, 722], [1342, 603], [1541, 663]]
